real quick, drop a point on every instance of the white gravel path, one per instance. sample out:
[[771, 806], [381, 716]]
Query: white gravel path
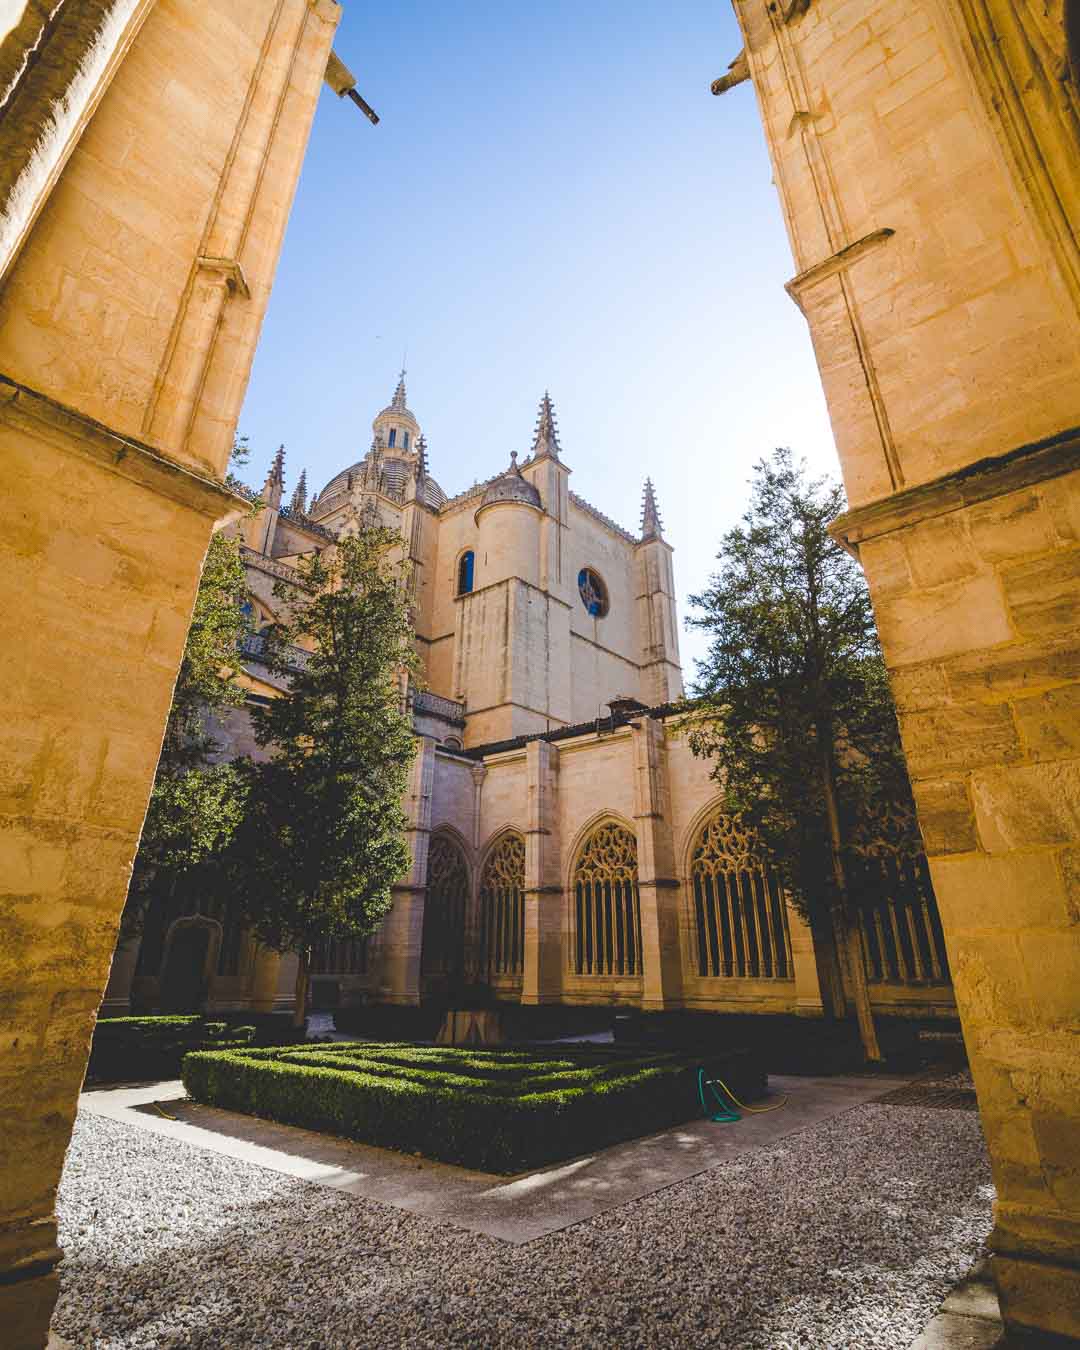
[[848, 1234]]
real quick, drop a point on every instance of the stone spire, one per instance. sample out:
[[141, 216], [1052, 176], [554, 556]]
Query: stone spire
[[299, 497], [275, 480], [421, 459], [546, 440], [398, 401], [652, 527]]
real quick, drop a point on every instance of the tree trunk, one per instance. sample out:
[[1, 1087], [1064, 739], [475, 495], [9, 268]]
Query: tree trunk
[[303, 979], [847, 937], [827, 958]]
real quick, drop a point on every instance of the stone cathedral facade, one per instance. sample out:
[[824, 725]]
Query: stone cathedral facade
[[566, 845]]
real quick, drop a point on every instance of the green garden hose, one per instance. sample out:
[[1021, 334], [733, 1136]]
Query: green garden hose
[[728, 1112]]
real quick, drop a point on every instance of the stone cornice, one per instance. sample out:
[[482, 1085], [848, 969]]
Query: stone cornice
[[40, 415], [991, 477]]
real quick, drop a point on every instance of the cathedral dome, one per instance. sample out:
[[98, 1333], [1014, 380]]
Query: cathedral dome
[[394, 478], [512, 486]]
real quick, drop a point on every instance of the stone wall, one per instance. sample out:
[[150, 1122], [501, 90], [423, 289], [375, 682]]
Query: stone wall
[[924, 153], [127, 324]]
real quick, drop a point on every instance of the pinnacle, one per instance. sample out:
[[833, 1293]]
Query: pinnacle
[[546, 440], [299, 497], [398, 401], [277, 469], [652, 527], [421, 457]]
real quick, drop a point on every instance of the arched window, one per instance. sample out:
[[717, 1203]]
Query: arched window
[[593, 592], [741, 917], [391, 440], [465, 572], [443, 946], [405, 439], [608, 911], [452, 743], [502, 907]]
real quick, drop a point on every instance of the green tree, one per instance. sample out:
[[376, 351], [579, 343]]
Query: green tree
[[195, 804], [795, 708], [323, 840]]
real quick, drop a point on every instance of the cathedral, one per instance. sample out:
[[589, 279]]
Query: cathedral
[[566, 845]]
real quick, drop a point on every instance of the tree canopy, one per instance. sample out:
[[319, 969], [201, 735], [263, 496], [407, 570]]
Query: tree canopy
[[323, 840], [794, 704]]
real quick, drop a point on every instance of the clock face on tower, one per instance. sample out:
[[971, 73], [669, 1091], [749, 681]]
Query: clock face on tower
[[593, 592]]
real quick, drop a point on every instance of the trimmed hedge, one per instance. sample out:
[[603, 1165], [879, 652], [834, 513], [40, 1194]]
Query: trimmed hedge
[[497, 1111], [130, 1048]]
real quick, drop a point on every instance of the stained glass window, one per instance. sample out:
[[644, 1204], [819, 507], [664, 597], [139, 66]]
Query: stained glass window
[[593, 593]]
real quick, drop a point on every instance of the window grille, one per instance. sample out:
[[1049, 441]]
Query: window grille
[[607, 905], [443, 948], [502, 907], [901, 933], [340, 956], [739, 909]]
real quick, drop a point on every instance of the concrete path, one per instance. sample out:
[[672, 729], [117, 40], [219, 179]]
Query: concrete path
[[515, 1209], [970, 1318]]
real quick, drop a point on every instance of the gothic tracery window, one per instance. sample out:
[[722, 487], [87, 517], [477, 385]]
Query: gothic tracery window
[[739, 909], [502, 907], [443, 947], [607, 905]]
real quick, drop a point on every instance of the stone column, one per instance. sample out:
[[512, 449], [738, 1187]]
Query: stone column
[[543, 889], [402, 931], [265, 971], [110, 262], [808, 1000], [657, 880], [978, 603]]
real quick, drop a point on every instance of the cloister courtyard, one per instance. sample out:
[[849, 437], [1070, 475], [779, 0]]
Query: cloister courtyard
[[842, 1219]]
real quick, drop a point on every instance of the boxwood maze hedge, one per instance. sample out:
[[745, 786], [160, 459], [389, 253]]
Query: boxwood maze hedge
[[494, 1110]]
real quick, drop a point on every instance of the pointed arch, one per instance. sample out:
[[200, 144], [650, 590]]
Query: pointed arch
[[606, 901], [442, 949], [739, 909], [502, 905]]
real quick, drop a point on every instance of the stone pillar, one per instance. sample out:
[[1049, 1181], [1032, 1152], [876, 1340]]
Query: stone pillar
[[979, 611], [657, 880], [542, 981], [265, 973], [924, 153], [134, 285], [402, 932], [117, 1000], [808, 1000]]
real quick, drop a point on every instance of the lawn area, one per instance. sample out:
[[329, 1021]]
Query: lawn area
[[494, 1110]]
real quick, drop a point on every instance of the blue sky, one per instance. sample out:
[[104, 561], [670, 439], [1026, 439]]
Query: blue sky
[[552, 199]]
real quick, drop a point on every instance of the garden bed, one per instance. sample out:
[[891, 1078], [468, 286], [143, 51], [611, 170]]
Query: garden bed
[[494, 1110], [133, 1048]]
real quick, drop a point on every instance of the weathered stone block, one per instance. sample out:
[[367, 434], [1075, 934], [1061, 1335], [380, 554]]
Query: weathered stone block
[[885, 562], [1027, 805], [917, 688], [1015, 526], [1044, 595], [959, 617], [946, 817], [1049, 724], [1005, 671], [985, 890], [960, 736]]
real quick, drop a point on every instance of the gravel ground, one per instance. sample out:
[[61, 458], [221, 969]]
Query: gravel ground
[[846, 1235]]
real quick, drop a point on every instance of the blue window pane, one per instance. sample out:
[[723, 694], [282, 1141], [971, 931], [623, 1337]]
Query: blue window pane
[[393, 436], [465, 574], [592, 592], [405, 439]]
